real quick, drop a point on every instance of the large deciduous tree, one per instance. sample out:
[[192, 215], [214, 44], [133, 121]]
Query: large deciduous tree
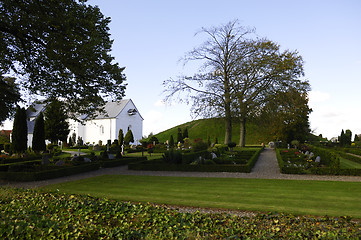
[[237, 76], [60, 49], [263, 70], [56, 125], [210, 89], [9, 96], [286, 116]]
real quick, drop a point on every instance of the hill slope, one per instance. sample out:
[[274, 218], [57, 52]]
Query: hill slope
[[215, 128]]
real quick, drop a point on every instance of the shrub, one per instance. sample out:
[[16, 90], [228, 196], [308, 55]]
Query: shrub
[[199, 145], [173, 156]]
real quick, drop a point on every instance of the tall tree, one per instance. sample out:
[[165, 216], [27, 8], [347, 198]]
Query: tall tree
[[9, 96], [180, 136], [286, 116], [38, 143], [56, 125], [210, 89], [120, 137], [20, 131], [263, 71], [62, 50]]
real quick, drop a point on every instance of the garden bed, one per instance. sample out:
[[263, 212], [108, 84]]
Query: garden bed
[[237, 161], [293, 161]]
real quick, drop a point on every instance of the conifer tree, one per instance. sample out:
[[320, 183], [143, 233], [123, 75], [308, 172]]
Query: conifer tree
[[56, 125], [128, 137], [20, 131], [185, 133], [180, 136], [38, 143], [120, 137], [171, 141]]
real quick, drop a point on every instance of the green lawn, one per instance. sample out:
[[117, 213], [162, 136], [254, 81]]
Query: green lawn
[[289, 196], [348, 164], [145, 154]]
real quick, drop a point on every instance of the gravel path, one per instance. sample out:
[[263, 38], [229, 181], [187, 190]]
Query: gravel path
[[265, 168]]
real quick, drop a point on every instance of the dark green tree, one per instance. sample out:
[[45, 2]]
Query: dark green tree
[[20, 131], [341, 138], [9, 96], [348, 137], [171, 141], [38, 143], [56, 125], [356, 139], [180, 136], [120, 137], [185, 133], [128, 137], [61, 49]]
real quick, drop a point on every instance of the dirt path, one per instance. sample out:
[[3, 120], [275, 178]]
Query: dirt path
[[265, 168]]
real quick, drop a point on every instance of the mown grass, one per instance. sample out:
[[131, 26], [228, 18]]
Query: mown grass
[[348, 164], [289, 196], [145, 154]]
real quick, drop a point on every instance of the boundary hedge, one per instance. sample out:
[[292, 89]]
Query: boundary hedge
[[159, 165]]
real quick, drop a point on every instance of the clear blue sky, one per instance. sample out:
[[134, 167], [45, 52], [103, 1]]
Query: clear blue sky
[[151, 36]]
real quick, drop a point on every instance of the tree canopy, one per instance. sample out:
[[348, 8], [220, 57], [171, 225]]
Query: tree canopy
[[9, 96], [238, 75], [20, 131], [38, 143], [60, 49]]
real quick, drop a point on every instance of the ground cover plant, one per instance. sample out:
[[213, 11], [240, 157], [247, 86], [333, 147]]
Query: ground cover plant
[[289, 196], [29, 214]]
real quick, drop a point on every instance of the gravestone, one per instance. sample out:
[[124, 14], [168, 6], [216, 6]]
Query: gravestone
[[45, 160], [318, 159], [213, 155], [59, 163]]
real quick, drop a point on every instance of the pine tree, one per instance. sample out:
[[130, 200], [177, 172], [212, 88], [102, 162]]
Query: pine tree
[[20, 131], [128, 137], [356, 139], [38, 143]]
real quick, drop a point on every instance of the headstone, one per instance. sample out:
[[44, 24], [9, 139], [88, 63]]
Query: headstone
[[271, 144], [213, 155], [45, 160], [87, 160], [318, 159], [96, 148], [111, 156], [311, 155], [307, 152], [59, 163]]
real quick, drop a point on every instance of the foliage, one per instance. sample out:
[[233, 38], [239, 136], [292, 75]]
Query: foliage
[[179, 136], [20, 131], [345, 138], [286, 116], [120, 137], [128, 137], [199, 145], [173, 156], [9, 96], [56, 125], [29, 214], [153, 139], [38, 143], [171, 141], [61, 48], [185, 133]]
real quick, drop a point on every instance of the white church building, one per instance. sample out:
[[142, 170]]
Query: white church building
[[105, 126]]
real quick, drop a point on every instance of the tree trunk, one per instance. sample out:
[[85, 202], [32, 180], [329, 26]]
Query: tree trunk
[[228, 119], [242, 134]]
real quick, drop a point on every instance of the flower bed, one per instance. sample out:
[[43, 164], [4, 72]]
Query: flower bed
[[198, 162]]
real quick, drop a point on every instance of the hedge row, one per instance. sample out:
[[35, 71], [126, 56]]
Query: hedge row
[[159, 165], [120, 162], [333, 161], [48, 174]]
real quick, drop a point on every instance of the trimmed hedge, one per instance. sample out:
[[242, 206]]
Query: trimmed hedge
[[160, 165], [120, 162], [48, 174]]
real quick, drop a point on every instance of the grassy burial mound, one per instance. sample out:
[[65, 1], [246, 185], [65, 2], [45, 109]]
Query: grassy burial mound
[[215, 128]]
